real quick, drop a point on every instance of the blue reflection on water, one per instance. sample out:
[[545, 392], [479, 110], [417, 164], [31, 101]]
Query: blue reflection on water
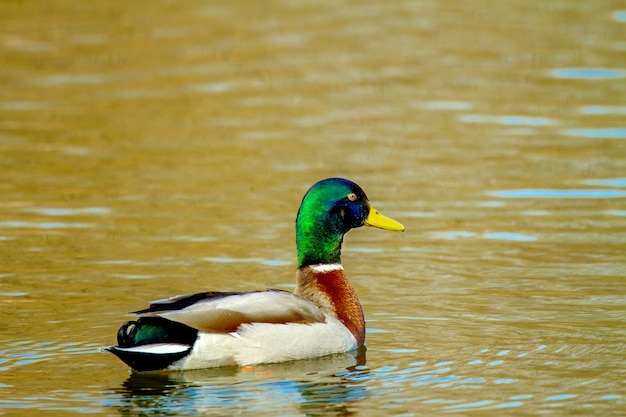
[[610, 182], [608, 133], [545, 193], [620, 15], [524, 120], [516, 120], [560, 397], [65, 211], [43, 225], [471, 405], [456, 234], [587, 73], [603, 110], [510, 236], [509, 404], [26, 352]]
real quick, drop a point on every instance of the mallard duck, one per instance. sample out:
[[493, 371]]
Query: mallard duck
[[321, 317]]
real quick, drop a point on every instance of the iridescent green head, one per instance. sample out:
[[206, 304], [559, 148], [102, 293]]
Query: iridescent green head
[[328, 211]]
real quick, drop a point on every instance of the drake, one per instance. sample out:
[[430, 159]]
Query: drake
[[322, 316]]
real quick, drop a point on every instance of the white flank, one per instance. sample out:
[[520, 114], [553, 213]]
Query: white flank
[[157, 348], [266, 342], [327, 267]]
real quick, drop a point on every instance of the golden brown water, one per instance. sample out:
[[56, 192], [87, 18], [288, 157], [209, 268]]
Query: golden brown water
[[154, 148]]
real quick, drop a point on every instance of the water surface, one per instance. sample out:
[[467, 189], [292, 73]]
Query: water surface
[[155, 148]]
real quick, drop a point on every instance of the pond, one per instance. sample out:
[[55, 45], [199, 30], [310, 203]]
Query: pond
[[156, 148]]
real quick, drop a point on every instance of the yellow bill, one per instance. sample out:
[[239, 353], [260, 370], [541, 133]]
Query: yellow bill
[[375, 219]]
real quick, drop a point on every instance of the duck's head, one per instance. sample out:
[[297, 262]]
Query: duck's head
[[329, 210]]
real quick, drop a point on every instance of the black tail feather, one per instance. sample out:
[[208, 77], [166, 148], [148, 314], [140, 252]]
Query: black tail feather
[[151, 331], [141, 361]]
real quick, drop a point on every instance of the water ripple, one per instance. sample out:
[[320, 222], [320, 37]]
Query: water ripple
[[620, 16], [603, 110], [26, 352], [62, 80], [587, 73], [609, 182], [316, 385], [447, 105], [451, 235], [547, 193], [262, 261], [24, 105], [14, 224], [606, 133], [515, 120], [510, 236], [68, 211]]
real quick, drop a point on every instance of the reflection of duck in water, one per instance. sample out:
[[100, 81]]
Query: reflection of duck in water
[[331, 386], [322, 316]]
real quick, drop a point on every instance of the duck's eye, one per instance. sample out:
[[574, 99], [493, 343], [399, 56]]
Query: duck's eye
[[352, 197]]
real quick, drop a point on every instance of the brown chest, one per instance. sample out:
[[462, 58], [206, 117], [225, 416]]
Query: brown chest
[[331, 291]]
